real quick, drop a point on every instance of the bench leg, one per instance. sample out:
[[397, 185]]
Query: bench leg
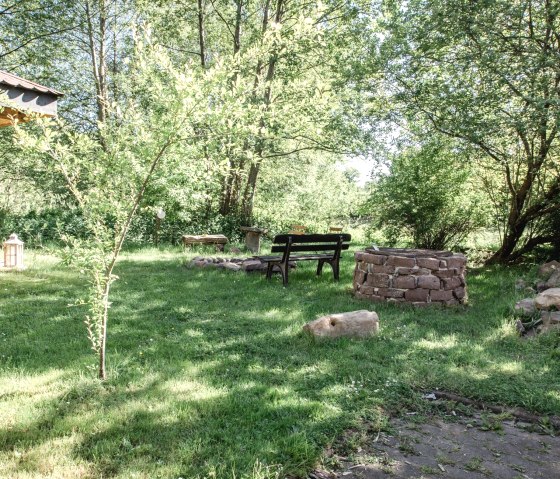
[[269, 270], [336, 270], [284, 270], [320, 267]]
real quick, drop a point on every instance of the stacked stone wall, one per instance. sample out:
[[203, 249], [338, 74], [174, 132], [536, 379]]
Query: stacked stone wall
[[420, 277]]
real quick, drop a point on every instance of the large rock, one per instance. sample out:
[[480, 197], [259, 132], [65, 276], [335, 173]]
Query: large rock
[[526, 307], [548, 268], [548, 299], [359, 324]]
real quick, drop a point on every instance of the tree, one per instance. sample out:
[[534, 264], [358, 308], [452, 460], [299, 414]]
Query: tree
[[486, 73], [281, 92]]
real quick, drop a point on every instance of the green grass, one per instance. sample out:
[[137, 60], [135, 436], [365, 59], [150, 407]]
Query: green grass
[[211, 376]]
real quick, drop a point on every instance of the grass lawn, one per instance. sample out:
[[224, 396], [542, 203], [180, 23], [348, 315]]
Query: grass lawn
[[211, 376]]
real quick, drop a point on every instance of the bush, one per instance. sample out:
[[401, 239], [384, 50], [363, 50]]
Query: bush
[[427, 199]]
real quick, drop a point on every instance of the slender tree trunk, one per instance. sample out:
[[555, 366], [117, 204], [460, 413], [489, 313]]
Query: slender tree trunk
[[201, 34], [108, 273], [251, 185]]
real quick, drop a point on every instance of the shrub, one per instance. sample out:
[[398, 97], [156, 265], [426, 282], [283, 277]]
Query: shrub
[[428, 197]]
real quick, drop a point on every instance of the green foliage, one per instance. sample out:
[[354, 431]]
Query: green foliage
[[486, 73], [427, 198]]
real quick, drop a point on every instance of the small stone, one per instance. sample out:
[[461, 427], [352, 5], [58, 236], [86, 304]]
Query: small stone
[[547, 269], [235, 250], [548, 299], [525, 307], [554, 280], [231, 266], [520, 284], [359, 324], [551, 318]]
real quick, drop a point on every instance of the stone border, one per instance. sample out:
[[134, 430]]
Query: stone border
[[411, 276]]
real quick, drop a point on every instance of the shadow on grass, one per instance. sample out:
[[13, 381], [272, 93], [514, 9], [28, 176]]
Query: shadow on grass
[[211, 375]]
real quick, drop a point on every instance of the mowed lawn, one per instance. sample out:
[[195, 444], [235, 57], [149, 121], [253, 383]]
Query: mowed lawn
[[211, 376]]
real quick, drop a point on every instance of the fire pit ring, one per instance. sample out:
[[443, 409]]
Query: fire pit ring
[[418, 276]]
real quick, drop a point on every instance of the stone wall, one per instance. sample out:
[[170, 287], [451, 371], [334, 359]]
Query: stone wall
[[420, 277]]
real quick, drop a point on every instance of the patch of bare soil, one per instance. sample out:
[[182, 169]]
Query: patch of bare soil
[[463, 449]]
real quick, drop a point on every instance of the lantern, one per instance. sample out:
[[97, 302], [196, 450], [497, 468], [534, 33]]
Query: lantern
[[13, 253]]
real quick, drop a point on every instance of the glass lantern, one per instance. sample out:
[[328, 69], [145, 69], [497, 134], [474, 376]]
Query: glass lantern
[[13, 253]]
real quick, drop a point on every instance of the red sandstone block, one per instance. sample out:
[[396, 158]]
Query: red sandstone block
[[429, 282], [418, 294], [451, 283], [359, 256], [443, 264], [404, 271], [430, 263], [401, 261], [359, 276], [374, 258], [390, 292], [439, 295], [456, 261], [404, 282], [381, 268], [459, 293], [365, 289], [379, 280], [446, 273]]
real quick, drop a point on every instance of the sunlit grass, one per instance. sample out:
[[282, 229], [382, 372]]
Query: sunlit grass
[[211, 376]]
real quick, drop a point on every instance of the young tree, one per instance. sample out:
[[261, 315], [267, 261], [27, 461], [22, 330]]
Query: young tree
[[108, 175]]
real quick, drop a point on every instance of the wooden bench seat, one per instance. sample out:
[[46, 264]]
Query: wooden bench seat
[[323, 248]]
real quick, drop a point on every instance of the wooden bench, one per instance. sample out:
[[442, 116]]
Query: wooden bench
[[218, 240], [325, 248]]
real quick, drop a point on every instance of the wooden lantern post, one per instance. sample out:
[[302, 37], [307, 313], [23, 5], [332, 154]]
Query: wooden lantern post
[[13, 253]]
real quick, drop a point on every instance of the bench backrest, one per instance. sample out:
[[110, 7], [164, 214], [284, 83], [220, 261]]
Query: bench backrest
[[312, 242]]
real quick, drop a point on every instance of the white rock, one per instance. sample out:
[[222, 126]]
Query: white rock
[[361, 323]]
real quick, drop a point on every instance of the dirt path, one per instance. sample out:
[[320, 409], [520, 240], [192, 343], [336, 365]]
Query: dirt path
[[454, 450]]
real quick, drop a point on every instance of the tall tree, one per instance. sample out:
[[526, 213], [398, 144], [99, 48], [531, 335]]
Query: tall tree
[[487, 73]]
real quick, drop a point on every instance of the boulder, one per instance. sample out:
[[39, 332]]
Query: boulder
[[554, 280], [526, 307], [548, 268], [548, 299], [358, 324]]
